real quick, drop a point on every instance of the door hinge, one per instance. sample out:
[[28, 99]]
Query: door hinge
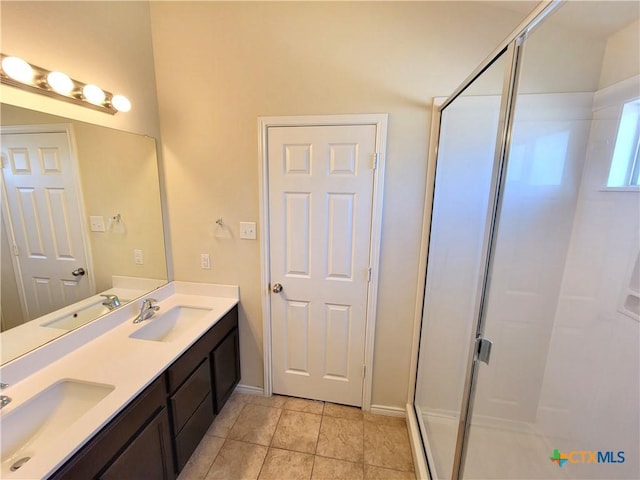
[[484, 349], [374, 160], [369, 274], [364, 371], [16, 250]]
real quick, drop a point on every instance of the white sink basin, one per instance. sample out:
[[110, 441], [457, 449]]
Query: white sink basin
[[37, 423], [172, 324], [81, 316]]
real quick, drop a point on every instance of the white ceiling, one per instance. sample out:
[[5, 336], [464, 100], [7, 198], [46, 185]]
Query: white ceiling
[[599, 19]]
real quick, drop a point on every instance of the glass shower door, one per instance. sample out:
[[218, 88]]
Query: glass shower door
[[468, 135], [559, 397]]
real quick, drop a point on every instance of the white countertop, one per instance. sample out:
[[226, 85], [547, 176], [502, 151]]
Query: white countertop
[[34, 333], [102, 352]]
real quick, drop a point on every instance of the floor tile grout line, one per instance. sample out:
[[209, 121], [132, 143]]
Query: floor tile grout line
[[264, 460], [226, 438], [315, 450], [235, 420], [273, 434], [343, 460], [313, 466], [364, 443], [214, 459]]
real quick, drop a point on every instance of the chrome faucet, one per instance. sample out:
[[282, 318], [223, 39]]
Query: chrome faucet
[[147, 309], [111, 301], [4, 400]]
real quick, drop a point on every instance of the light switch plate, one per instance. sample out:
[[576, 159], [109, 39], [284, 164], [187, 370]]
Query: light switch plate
[[248, 230], [138, 258], [205, 261], [97, 223]]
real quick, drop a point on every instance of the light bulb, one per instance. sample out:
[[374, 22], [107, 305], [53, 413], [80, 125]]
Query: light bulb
[[93, 94], [121, 103], [60, 82], [17, 69]]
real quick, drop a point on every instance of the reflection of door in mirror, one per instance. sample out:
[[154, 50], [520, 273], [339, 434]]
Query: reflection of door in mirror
[[44, 222], [118, 178]]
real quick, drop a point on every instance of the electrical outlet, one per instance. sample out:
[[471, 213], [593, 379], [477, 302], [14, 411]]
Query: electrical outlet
[[248, 230], [97, 223], [205, 261], [138, 258]]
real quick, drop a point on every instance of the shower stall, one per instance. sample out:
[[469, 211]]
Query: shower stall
[[528, 352]]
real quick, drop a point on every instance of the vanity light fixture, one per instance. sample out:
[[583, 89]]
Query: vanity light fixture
[[60, 82], [121, 103], [93, 94], [21, 74], [17, 69]]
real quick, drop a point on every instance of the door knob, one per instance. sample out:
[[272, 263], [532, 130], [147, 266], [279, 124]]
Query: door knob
[[78, 272], [277, 288]]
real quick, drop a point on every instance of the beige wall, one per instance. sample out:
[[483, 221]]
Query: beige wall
[[11, 309], [119, 175], [221, 65], [107, 43], [621, 56]]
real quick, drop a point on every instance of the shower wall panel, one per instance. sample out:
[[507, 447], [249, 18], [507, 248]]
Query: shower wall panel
[[545, 164], [594, 345]]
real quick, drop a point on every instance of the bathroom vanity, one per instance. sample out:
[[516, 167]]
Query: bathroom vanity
[[128, 400]]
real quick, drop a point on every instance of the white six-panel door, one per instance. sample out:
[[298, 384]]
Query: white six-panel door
[[44, 213], [321, 182]]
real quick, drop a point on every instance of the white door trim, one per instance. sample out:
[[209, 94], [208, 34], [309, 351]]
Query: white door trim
[[380, 121], [66, 128]]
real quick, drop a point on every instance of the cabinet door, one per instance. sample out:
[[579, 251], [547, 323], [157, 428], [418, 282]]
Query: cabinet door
[[226, 368], [105, 448], [147, 456]]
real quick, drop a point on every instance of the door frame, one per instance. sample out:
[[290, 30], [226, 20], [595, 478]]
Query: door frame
[[67, 129], [264, 123]]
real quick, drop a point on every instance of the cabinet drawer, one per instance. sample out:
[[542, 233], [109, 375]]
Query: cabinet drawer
[[189, 360], [195, 428], [186, 400]]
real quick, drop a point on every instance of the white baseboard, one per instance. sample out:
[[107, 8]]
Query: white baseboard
[[385, 410], [249, 390]]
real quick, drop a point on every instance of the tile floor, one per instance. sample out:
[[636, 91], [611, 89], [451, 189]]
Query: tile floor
[[284, 438]]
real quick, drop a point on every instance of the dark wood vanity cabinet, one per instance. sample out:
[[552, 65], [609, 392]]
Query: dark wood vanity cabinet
[[225, 365], [194, 381], [136, 444], [154, 436]]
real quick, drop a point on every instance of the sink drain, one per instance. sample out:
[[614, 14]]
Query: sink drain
[[19, 463]]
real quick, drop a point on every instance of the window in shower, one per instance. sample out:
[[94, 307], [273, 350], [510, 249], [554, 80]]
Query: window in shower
[[625, 167]]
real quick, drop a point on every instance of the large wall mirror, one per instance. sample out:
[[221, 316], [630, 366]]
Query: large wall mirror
[[81, 231]]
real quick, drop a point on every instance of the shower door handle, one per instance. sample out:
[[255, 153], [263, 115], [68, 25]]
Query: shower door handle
[[484, 349]]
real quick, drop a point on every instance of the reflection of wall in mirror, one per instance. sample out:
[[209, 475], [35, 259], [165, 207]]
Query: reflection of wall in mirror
[[119, 174], [11, 311]]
